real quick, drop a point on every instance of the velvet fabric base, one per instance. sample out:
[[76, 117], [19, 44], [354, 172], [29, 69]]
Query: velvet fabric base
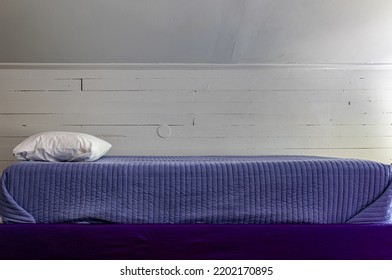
[[195, 241]]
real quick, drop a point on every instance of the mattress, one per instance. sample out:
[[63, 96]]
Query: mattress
[[191, 190]]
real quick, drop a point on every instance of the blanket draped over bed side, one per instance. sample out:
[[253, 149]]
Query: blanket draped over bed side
[[216, 190]]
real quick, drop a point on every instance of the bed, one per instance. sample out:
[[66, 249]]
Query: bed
[[228, 207]]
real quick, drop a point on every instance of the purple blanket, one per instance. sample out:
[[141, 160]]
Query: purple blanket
[[189, 190]]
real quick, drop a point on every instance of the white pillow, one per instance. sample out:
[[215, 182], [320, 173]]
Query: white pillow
[[61, 146]]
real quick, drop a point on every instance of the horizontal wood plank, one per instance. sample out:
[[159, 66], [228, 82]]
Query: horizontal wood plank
[[93, 119], [40, 85], [69, 106], [300, 83]]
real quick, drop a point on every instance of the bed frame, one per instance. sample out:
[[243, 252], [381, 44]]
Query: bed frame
[[198, 241], [141, 237]]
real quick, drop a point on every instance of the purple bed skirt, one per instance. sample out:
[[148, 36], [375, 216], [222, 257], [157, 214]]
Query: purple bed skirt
[[201, 241]]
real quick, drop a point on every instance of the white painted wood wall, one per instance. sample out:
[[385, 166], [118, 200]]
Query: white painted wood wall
[[342, 111]]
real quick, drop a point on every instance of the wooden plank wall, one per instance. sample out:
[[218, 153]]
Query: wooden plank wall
[[189, 110]]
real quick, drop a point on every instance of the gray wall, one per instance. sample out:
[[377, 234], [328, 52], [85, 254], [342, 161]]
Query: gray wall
[[238, 109], [196, 31]]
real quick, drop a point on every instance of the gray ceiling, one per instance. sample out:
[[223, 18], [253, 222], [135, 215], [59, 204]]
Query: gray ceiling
[[196, 31]]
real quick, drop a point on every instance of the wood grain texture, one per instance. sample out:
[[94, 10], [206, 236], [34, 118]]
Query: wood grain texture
[[223, 111]]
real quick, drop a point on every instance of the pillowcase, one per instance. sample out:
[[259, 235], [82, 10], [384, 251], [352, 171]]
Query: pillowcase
[[61, 146]]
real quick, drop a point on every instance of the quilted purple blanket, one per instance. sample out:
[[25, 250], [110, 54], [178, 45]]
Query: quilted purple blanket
[[211, 190]]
